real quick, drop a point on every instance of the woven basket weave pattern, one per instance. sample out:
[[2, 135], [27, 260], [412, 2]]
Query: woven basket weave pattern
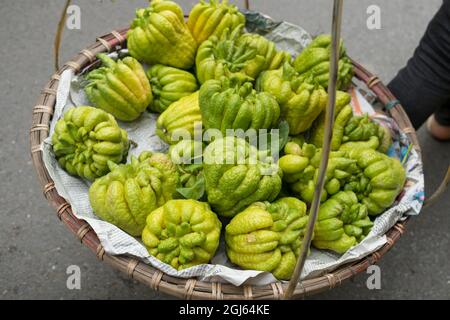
[[146, 274]]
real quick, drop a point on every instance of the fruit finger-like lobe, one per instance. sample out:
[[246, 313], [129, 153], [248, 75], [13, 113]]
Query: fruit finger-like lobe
[[267, 236], [86, 139], [236, 176], [314, 61], [212, 18], [182, 233], [337, 228], [229, 103], [120, 88], [159, 35], [301, 102], [381, 181], [127, 195], [235, 53], [180, 120], [169, 85]]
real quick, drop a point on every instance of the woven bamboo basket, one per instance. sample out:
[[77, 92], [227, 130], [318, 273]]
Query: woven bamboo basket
[[154, 278]]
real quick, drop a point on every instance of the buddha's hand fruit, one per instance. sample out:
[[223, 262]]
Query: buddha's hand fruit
[[169, 85], [236, 53], [300, 101], [126, 195], [237, 175], [360, 129], [342, 223], [187, 155], [229, 103], [86, 139], [267, 236], [212, 18], [314, 61], [159, 35], [181, 120], [300, 166], [182, 233], [119, 87], [380, 181], [343, 113]]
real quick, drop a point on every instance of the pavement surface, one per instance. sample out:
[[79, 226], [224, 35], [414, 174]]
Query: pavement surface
[[36, 249]]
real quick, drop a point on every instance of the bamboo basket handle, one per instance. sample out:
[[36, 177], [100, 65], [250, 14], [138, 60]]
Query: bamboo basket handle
[[329, 124], [439, 191]]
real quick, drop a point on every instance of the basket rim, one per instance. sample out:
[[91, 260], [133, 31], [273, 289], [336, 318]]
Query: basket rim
[[154, 278]]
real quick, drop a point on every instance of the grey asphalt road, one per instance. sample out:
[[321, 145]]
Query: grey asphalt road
[[36, 249]]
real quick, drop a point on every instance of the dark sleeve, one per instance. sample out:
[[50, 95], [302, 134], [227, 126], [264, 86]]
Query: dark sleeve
[[423, 86]]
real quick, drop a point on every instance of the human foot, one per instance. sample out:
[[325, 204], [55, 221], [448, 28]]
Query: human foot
[[438, 131]]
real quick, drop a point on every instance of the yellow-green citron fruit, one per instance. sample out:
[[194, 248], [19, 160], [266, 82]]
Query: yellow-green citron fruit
[[343, 113], [127, 195], [182, 233], [314, 61], [380, 182], [237, 175], [300, 166], [212, 18], [169, 85], [181, 120], [120, 88], [273, 58], [268, 236], [342, 223], [230, 103], [159, 35], [301, 101], [86, 139]]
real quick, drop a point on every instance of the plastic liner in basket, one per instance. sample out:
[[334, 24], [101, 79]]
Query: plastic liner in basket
[[116, 242]]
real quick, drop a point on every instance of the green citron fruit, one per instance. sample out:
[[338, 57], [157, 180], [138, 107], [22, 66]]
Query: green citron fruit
[[181, 120], [182, 233], [314, 61], [169, 85], [127, 195], [229, 103], [213, 18], [159, 35], [237, 175], [342, 223], [301, 102], [120, 88], [86, 139], [268, 236]]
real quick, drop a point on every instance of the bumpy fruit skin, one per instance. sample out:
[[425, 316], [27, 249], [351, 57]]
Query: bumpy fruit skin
[[300, 166], [86, 139], [212, 18], [314, 61], [126, 195], [159, 35], [380, 181], [230, 104], [237, 175], [273, 58], [342, 223], [300, 101], [182, 233], [343, 113], [360, 129], [120, 88], [180, 119], [267, 236], [235, 53], [169, 85]]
